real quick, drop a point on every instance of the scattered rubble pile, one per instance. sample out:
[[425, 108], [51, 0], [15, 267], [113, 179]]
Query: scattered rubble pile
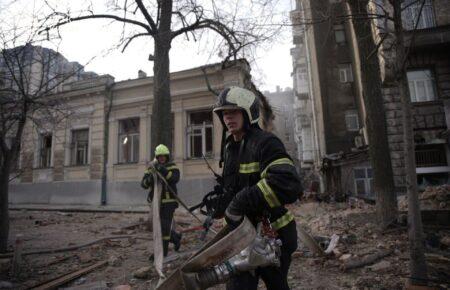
[[363, 257], [111, 250], [432, 198]]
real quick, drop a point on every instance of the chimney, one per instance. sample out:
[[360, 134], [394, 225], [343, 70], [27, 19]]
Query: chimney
[[142, 74], [278, 89]]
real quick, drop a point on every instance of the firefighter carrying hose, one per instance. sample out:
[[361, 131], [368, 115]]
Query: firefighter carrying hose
[[259, 178], [168, 205]]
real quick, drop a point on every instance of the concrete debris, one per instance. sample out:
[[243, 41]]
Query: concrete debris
[[115, 261], [143, 273], [380, 266], [349, 230], [84, 257], [434, 197], [80, 281], [345, 257]]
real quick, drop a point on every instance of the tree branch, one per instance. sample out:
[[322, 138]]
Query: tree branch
[[147, 16], [99, 16], [132, 38]]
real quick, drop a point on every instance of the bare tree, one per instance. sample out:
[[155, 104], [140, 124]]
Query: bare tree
[[237, 25], [380, 159], [417, 262], [30, 78]]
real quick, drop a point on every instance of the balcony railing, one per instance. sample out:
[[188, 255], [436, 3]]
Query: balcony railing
[[430, 157]]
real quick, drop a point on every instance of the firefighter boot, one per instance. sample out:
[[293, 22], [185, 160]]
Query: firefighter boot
[[175, 238]]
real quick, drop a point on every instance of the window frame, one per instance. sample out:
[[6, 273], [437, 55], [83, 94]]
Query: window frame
[[352, 114], [434, 89], [74, 148], [49, 162], [339, 28], [410, 17], [347, 69], [368, 180], [190, 128], [133, 137]]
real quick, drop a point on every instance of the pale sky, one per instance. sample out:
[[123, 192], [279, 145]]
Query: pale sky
[[81, 41]]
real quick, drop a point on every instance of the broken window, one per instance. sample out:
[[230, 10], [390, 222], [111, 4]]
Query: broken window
[[80, 146], [410, 14], [45, 150], [363, 180], [345, 73], [200, 134], [351, 120], [339, 34], [421, 85], [129, 140]]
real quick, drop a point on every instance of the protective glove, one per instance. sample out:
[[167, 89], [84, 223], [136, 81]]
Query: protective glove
[[161, 169], [234, 214], [216, 202]]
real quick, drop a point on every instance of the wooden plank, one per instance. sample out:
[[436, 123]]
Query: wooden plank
[[366, 260], [55, 283]]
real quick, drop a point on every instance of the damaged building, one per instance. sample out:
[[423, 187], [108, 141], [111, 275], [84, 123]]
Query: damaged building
[[330, 126], [99, 152]]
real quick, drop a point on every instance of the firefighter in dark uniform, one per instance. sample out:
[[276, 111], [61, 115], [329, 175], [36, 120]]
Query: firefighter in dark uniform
[[259, 178], [168, 205]]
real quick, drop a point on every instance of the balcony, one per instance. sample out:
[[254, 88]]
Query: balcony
[[429, 37], [431, 156]]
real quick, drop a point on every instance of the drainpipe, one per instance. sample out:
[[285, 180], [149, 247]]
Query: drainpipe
[[109, 100]]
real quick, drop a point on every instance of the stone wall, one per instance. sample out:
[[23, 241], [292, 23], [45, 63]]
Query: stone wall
[[442, 12], [392, 105]]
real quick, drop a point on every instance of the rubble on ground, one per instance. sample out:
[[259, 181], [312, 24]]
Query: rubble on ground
[[127, 265], [432, 198]]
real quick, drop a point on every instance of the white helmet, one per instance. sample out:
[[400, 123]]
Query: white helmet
[[238, 98]]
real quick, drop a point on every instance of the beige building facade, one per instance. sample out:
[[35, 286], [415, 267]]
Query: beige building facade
[[65, 163]]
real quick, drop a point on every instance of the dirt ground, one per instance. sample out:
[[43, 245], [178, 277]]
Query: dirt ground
[[353, 223]]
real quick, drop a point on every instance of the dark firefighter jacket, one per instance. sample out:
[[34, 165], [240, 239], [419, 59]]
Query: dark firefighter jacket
[[172, 176], [260, 166]]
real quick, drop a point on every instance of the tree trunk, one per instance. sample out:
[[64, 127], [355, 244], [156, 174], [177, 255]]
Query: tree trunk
[[417, 263], [161, 132], [4, 207], [386, 199]]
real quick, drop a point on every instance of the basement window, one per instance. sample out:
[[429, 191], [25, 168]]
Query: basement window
[[129, 140], [80, 147], [199, 134]]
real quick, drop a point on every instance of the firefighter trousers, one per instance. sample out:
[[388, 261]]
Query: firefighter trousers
[[168, 234]]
